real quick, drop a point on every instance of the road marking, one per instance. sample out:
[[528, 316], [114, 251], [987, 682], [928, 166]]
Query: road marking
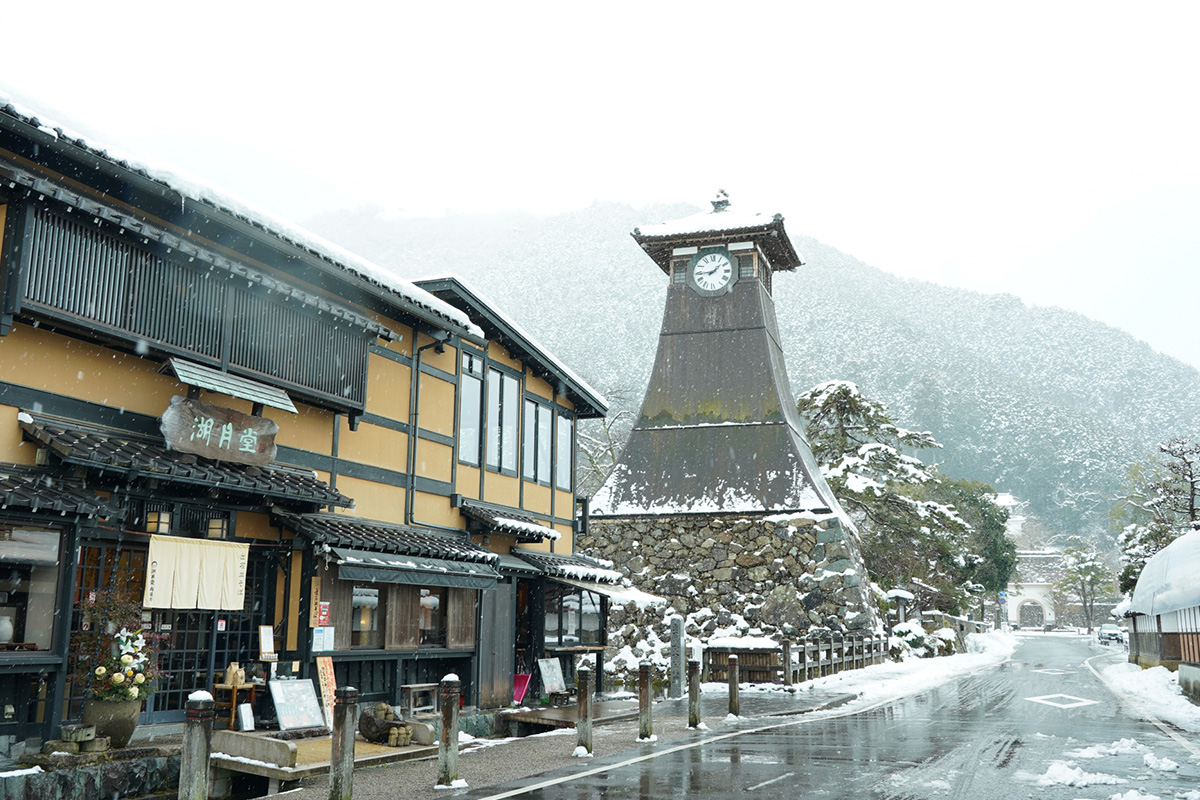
[[1056, 671], [1184, 743], [768, 783], [1064, 701]]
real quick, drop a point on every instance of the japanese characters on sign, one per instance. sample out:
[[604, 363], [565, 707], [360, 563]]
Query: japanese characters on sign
[[222, 434]]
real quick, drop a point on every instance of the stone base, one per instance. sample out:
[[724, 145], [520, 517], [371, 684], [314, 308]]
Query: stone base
[[779, 575]]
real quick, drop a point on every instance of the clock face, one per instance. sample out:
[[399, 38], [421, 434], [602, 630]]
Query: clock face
[[712, 272]]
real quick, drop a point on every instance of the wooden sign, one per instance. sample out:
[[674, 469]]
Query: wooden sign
[[552, 677], [328, 684], [296, 704], [314, 603], [221, 434]]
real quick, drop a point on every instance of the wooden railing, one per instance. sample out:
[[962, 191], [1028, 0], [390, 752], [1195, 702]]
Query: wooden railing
[[813, 656]]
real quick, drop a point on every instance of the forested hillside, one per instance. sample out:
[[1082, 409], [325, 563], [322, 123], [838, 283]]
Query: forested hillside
[[1040, 402]]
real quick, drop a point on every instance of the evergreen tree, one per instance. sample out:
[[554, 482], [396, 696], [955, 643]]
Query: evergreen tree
[[1085, 576], [1161, 502], [910, 518]]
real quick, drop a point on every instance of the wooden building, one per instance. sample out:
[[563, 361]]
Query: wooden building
[[247, 426]]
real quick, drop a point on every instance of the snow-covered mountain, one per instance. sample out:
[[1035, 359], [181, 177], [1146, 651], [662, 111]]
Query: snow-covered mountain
[[1040, 402]]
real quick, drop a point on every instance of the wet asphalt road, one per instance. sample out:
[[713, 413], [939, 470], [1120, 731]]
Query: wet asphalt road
[[993, 734]]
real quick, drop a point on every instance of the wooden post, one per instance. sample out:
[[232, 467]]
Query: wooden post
[[645, 723], [693, 673], [583, 724], [196, 749], [734, 704], [341, 758], [804, 645], [448, 741], [787, 662]]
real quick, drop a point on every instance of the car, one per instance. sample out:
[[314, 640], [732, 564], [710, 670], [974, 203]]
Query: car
[[1110, 633]]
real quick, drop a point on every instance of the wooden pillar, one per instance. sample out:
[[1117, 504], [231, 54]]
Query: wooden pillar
[[645, 723], [448, 742], [341, 759], [735, 705], [693, 675], [583, 690], [196, 749], [787, 662]]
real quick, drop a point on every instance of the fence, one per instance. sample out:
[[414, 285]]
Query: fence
[[812, 657]]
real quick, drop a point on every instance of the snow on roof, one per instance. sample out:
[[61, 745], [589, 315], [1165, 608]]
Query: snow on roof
[[193, 188], [710, 222], [1168, 581], [544, 531], [508, 321]]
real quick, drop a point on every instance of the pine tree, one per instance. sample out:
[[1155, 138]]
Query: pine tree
[[908, 516]]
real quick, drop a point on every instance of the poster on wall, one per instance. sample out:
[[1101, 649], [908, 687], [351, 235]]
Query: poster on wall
[[322, 639]]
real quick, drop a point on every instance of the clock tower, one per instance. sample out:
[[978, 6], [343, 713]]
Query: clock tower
[[717, 503], [718, 429]]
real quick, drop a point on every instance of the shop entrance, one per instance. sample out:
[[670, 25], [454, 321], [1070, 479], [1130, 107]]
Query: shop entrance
[[200, 644]]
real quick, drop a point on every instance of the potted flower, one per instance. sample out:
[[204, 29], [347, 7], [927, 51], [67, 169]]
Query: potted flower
[[115, 663]]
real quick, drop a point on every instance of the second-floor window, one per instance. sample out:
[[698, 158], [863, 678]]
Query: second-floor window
[[538, 444], [564, 457], [470, 409], [503, 407]]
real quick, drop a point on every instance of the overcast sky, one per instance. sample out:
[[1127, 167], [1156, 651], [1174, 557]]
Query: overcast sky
[[1046, 150]]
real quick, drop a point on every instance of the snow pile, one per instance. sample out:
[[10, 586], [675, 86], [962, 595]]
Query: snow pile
[[1161, 764], [457, 783], [909, 640], [580, 752], [1060, 773], [1123, 747], [1155, 690], [1134, 794], [996, 645]]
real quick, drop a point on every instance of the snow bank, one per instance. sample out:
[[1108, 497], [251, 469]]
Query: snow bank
[[1155, 690], [891, 679]]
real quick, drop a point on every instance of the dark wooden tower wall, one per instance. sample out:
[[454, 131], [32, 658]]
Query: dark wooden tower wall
[[718, 429]]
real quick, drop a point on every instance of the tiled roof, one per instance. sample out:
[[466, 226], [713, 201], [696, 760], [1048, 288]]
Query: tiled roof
[[506, 520], [336, 530], [147, 457], [578, 567], [38, 490]]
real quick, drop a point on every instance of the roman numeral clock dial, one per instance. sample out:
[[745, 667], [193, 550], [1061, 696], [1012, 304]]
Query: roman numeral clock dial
[[711, 273]]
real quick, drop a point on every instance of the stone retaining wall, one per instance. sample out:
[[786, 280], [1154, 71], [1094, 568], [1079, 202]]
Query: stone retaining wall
[[782, 574], [73, 778]]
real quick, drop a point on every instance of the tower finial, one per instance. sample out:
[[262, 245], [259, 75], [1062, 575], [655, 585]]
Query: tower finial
[[722, 201]]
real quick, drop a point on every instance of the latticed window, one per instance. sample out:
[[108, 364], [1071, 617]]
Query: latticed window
[[103, 284]]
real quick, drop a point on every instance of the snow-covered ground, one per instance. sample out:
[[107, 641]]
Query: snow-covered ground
[[880, 682], [1154, 691]]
